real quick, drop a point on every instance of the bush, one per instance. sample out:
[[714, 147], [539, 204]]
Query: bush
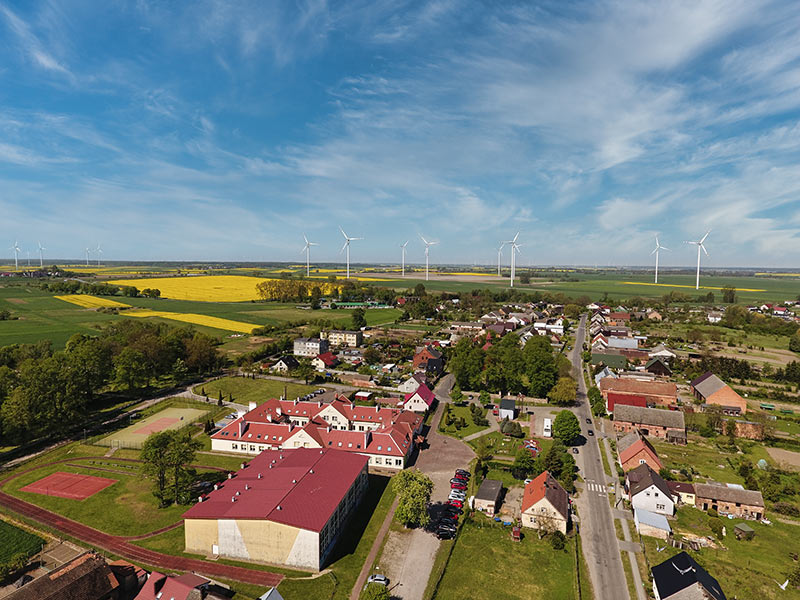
[[786, 508], [558, 540], [716, 526], [711, 512]]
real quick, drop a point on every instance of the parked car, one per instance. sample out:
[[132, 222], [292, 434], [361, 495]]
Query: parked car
[[458, 486], [458, 480], [453, 510], [456, 495], [462, 472], [590, 432], [461, 477], [574, 450], [381, 579], [445, 534], [588, 421], [456, 503]]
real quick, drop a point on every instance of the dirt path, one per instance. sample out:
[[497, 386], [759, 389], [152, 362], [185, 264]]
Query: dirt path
[[373, 552], [787, 458]]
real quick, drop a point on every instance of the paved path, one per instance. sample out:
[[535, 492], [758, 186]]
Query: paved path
[[493, 426], [121, 545], [598, 536], [373, 552]]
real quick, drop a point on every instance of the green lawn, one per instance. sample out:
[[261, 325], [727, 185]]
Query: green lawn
[[709, 460], [17, 541], [487, 565], [745, 569], [459, 412], [252, 390], [501, 445]]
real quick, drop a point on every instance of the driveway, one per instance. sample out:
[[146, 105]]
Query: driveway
[[408, 555]]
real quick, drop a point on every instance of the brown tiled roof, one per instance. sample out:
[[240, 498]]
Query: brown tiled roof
[[86, 577], [728, 494], [649, 416]]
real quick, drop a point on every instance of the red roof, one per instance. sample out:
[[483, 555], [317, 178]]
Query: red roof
[[424, 392], [628, 399], [301, 488], [328, 358], [546, 485], [639, 446]]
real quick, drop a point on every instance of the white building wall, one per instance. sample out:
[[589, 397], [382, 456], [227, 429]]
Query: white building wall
[[654, 500]]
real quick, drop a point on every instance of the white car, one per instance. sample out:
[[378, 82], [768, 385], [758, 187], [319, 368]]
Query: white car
[[381, 579], [457, 496]]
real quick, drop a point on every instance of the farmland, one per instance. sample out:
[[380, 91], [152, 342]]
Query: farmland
[[17, 541]]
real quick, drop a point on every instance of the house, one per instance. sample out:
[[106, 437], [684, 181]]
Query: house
[[420, 400], [635, 450], [629, 343], [285, 364], [729, 500], [508, 409], [682, 492], [661, 351], [664, 393], [182, 587], [545, 504], [412, 383], [710, 389], [648, 491], [650, 421], [651, 524], [605, 372], [363, 396], [310, 347], [86, 576], [658, 366], [613, 361], [324, 361], [489, 496], [338, 338], [285, 507], [654, 315], [358, 380], [271, 594], [614, 398], [714, 316], [681, 578], [429, 359]]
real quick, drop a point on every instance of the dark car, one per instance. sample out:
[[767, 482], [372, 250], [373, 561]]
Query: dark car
[[453, 510], [462, 472], [456, 503], [574, 450], [588, 420], [445, 535], [590, 432], [459, 480]]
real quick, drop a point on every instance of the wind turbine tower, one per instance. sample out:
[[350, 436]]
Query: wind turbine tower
[[346, 246], [515, 247], [307, 250], [99, 252], [699, 245], [87, 255], [41, 259], [500, 257], [427, 249], [658, 247], [403, 257], [16, 250]]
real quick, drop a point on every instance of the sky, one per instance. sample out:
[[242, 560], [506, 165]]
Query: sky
[[210, 130]]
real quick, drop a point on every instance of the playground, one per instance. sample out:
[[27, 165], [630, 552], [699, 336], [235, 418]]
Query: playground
[[136, 433]]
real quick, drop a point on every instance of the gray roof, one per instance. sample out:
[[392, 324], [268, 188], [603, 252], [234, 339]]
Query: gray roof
[[708, 384], [490, 490], [627, 441], [727, 494], [650, 518], [642, 477], [508, 404], [649, 416]]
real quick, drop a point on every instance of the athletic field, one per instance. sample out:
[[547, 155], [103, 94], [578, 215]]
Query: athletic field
[[135, 434], [69, 485]]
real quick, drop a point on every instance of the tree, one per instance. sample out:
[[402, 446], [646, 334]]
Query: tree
[[564, 393], [523, 464], [359, 318], [794, 342], [156, 462], [729, 295], [304, 370], [180, 453], [525, 278], [566, 427], [730, 430], [179, 371], [372, 356], [130, 369], [455, 394], [375, 591], [414, 489], [484, 397], [558, 540]]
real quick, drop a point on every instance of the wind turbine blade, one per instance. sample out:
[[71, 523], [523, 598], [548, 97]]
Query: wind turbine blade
[[346, 244], [343, 233], [703, 239], [516, 236], [704, 249], [313, 244], [424, 241], [354, 239], [305, 239], [653, 252], [665, 248]]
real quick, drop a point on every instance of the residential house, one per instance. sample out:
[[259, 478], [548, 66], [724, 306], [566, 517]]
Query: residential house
[[358, 380], [682, 492], [651, 524], [714, 316], [284, 507], [710, 389], [663, 393], [661, 351], [682, 578], [507, 409], [310, 347], [420, 400], [658, 366], [339, 338], [648, 491], [178, 587], [618, 318], [466, 328], [545, 504], [606, 372], [412, 383], [285, 364], [87, 576], [489, 496], [654, 315], [325, 361], [613, 361], [655, 422], [634, 450], [429, 359], [730, 500], [628, 343]]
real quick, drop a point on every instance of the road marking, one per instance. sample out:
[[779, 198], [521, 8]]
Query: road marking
[[596, 487]]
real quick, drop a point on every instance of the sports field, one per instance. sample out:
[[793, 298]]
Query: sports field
[[135, 434], [69, 485]]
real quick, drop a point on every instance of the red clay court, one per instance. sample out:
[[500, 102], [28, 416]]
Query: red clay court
[[69, 485], [157, 425]]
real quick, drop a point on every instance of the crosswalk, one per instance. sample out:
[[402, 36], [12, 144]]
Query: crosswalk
[[596, 487]]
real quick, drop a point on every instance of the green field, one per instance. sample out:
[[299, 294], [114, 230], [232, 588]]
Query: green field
[[462, 412], [709, 460], [487, 565], [246, 390], [130, 438], [17, 541]]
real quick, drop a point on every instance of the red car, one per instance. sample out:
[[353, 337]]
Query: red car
[[456, 503], [461, 477], [457, 486]]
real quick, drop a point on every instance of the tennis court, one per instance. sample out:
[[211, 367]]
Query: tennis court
[[69, 485], [135, 434]]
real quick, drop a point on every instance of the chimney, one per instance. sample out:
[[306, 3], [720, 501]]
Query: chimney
[[377, 408], [259, 475], [243, 465], [294, 480], [295, 401], [328, 428], [279, 507], [199, 498], [233, 498], [246, 487], [230, 475], [279, 411], [216, 487], [311, 471], [252, 405], [238, 493]]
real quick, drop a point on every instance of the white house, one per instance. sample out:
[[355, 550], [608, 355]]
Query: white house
[[545, 504], [310, 347], [285, 364], [648, 491], [419, 400], [412, 383]]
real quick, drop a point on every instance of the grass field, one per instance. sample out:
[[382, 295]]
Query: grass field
[[459, 412], [709, 460], [246, 390], [135, 434], [745, 569], [17, 541], [487, 565]]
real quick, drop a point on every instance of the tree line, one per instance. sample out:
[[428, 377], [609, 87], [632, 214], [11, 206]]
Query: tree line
[[44, 392]]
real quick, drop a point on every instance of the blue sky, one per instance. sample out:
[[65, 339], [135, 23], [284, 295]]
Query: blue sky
[[205, 131]]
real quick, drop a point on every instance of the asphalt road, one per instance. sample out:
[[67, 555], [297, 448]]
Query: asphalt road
[[598, 536]]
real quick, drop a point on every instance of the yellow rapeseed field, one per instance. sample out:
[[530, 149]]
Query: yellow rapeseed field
[[91, 301], [215, 322], [202, 288]]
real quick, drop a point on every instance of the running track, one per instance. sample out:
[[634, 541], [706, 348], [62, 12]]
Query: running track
[[120, 546]]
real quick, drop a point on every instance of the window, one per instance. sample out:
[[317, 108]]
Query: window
[[642, 461], [234, 446], [660, 507], [378, 460]]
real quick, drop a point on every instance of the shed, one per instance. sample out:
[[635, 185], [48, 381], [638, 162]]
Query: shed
[[508, 409], [651, 524], [743, 531], [488, 497]]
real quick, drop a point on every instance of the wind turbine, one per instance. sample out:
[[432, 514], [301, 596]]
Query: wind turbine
[[699, 246], [41, 260], [99, 252], [16, 250], [515, 247], [346, 246], [403, 252], [500, 256], [307, 250], [87, 255], [658, 247], [427, 249]]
